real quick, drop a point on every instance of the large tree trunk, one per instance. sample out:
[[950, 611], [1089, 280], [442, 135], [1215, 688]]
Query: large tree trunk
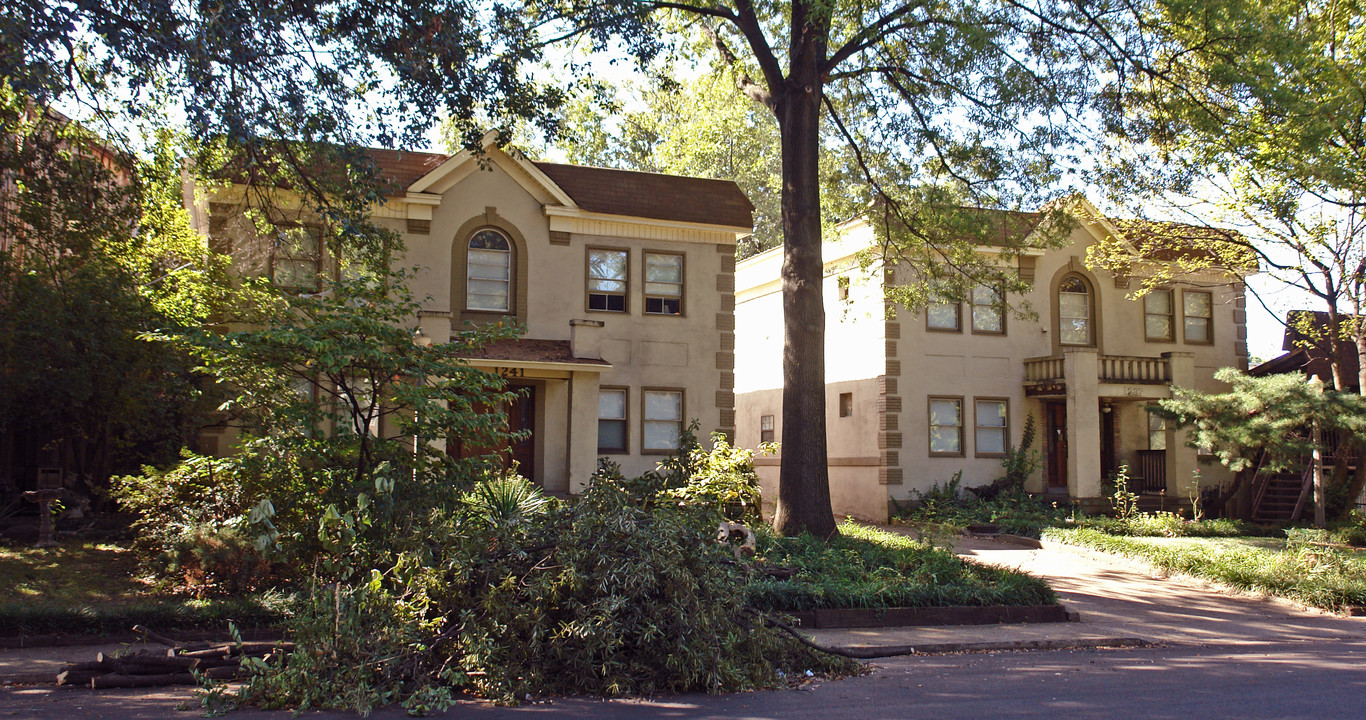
[[804, 478]]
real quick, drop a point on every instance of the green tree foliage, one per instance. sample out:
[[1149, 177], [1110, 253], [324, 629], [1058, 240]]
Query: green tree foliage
[[330, 392], [1263, 418], [973, 102], [703, 127], [1255, 122], [94, 250]]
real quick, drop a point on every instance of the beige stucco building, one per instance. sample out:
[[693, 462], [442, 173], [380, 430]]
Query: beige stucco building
[[623, 280], [914, 397]]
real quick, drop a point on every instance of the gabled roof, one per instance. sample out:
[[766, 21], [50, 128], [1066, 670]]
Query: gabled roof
[[673, 198]]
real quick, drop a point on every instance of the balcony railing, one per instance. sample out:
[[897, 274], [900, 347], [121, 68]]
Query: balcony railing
[[1112, 369], [1043, 369], [1128, 369]]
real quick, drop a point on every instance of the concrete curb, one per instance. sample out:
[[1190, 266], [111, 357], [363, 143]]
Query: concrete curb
[[870, 652]]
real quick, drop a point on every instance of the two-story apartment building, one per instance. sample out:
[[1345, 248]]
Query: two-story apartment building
[[914, 397], [624, 282]]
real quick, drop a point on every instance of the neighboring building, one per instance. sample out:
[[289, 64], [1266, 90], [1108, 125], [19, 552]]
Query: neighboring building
[[1309, 353], [624, 281], [915, 397], [1283, 497]]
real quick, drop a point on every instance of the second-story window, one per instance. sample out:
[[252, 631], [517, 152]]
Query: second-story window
[[488, 281], [1198, 310], [607, 280], [663, 284], [942, 316], [1157, 315], [1074, 312], [296, 256], [988, 311]]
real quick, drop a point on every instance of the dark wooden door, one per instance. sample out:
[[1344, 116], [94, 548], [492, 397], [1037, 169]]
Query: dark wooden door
[[522, 419], [1056, 415]]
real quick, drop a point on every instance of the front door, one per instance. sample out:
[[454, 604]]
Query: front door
[[1056, 416], [521, 418]]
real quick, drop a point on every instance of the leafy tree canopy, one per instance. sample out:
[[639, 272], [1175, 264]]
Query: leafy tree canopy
[[1254, 120]]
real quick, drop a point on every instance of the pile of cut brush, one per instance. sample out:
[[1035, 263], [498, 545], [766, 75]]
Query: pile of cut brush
[[179, 664]]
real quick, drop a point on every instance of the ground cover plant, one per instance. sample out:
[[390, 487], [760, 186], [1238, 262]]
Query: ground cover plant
[[97, 588], [1299, 568], [865, 567]]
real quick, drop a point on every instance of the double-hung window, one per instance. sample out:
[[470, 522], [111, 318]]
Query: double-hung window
[[607, 279], [663, 284], [988, 311], [946, 426], [1158, 321], [662, 421], [1198, 310], [296, 255], [993, 426], [1157, 432], [612, 404], [1074, 312]]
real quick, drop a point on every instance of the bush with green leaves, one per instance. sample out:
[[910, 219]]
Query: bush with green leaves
[[613, 594], [718, 483]]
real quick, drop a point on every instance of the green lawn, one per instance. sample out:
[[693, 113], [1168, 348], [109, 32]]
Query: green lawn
[[866, 567], [1331, 578], [85, 573], [94, 588]]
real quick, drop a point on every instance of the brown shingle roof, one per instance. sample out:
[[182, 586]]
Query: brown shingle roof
[[1170, 241], [530, 350], [401, 168], [651, 195]]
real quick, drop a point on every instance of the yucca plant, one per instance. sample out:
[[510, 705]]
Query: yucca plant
[[506, 501]]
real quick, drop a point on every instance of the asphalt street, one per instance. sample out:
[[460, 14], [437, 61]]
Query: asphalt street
[[1273, 682]]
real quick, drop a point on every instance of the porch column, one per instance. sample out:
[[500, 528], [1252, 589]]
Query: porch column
[[1081, 370], [583, 429], [1180, 456]]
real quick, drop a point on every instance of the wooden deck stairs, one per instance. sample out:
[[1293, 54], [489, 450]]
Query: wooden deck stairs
[[1283, 496]]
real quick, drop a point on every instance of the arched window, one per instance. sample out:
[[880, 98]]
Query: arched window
[[488, 272], [1075, 324]]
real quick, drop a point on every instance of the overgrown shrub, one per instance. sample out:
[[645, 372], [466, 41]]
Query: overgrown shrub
[[611, 595]]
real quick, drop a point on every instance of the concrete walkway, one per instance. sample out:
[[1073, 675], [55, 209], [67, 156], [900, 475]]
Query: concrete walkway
[[1120, 602]]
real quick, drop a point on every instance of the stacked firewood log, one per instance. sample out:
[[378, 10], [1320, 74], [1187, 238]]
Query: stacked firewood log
[[178, 664]]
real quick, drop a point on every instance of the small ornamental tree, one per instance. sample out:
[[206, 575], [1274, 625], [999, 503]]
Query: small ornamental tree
[[1262, 419], [335, 398]]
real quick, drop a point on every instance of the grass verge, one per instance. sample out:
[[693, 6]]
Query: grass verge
[[870, 568], [93, 588], [1316, 576]]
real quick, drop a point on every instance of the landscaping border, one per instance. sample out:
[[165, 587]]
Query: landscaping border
[[830, 618]]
